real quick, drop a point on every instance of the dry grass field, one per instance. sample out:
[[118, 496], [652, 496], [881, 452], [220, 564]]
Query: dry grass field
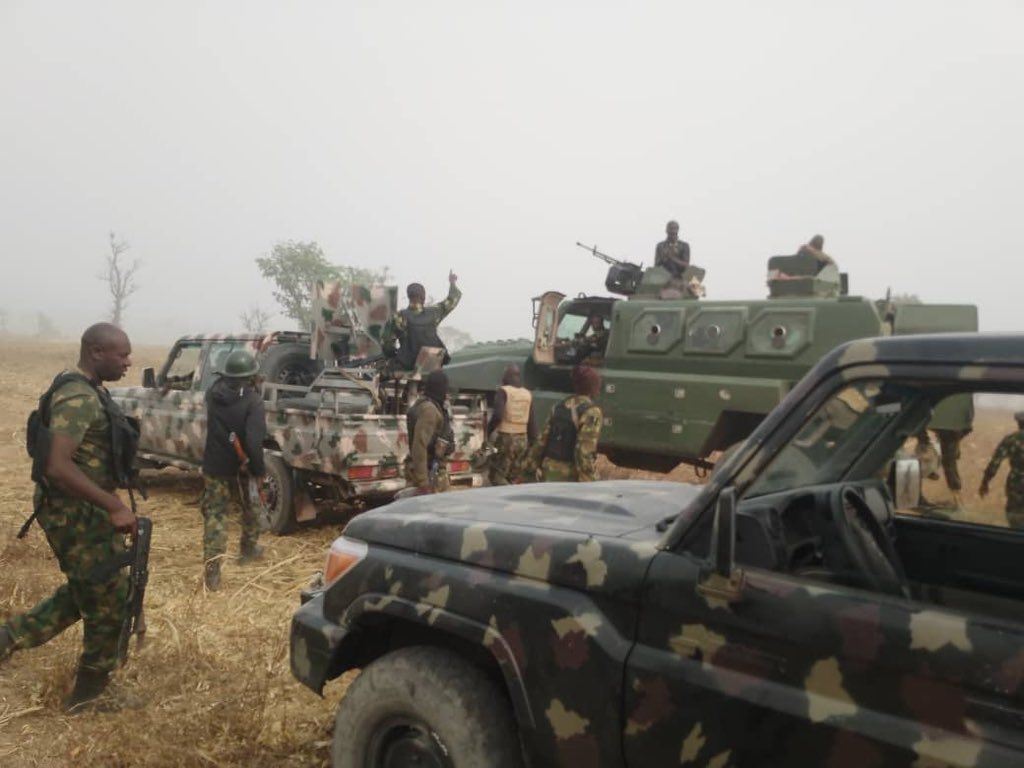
[[212, 679]]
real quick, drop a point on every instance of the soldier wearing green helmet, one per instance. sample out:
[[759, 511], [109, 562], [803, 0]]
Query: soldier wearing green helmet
[[235, 431]]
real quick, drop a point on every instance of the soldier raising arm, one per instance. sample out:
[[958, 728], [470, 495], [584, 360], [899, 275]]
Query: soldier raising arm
[[415, 327]]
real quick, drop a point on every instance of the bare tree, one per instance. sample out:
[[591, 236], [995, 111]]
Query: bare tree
[[255, 319], [120, 278]]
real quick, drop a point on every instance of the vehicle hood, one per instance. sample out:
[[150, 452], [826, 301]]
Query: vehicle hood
[[578, 534]]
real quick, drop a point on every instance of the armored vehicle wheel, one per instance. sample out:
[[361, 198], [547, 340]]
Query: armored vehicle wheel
[[427, 707], [277, 490], [289, 364]]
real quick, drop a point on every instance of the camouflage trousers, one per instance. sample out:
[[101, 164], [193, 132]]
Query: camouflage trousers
[[1014, 506], [507, 463], [555, 471], [440, 479], [83, 540], [219, 493]]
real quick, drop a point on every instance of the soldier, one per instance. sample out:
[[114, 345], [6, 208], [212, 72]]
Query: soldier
[[431, 439], [592, 338], [1012, 448], [567, 449], [512, 427], [816, 248], [672, 253], [233, 408], [415, 326], [83, 448]]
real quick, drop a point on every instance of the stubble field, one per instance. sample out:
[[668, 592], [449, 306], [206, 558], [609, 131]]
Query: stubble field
[[211, 686]]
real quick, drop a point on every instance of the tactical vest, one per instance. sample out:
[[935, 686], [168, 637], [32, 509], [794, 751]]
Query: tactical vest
[[445, 433], [420, 331], [563, 430], [517, 410], [124, 434]]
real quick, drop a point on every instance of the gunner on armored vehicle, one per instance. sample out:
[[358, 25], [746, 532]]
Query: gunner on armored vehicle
[[672, 253], [415, 327]]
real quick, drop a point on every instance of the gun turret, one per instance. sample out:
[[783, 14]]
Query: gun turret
[[623, 277]]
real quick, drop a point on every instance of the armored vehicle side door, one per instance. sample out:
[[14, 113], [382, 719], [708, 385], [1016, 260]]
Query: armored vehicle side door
[[754, 649], [546, 327]]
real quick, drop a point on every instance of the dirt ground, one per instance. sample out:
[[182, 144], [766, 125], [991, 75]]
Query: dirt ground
[[212, 680]]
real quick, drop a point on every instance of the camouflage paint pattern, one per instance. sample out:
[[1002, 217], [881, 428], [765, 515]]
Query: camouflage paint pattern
[[588, 432], [570, 587], [220, 494], [354, 311], [1011, 448], [506, 464]]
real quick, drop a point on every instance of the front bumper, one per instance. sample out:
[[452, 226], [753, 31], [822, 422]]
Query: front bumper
[[313, 642]]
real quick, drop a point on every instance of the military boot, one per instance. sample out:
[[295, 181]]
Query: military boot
[[251, 554], [89, 686], [213, 575], [7, 645]]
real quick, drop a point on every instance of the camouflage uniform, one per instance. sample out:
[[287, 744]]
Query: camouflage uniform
[[397, 328], [588, 430], [422, 468], [219, 493], [1012, 448], [507, 462], [82, 538]]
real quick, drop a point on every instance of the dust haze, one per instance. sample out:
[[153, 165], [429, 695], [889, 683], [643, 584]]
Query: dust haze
[[488, 138]]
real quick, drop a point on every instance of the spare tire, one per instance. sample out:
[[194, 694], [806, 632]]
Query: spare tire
[[289, 363]]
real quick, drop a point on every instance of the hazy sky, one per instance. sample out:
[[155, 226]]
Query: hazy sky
[[489, 137]]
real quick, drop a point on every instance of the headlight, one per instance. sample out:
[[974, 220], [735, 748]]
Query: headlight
[[341, 557]]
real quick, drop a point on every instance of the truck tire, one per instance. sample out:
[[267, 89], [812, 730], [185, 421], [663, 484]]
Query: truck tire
[[289, 363], [277, 489], [424, 706]]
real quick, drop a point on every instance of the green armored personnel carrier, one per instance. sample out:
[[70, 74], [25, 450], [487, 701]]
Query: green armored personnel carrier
[[683, 377]]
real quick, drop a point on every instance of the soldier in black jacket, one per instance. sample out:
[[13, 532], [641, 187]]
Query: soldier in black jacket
[[415, 327], [233, 408]]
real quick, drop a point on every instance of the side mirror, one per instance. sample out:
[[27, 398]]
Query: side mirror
[[907, 483], [723, 582], [148, 378]]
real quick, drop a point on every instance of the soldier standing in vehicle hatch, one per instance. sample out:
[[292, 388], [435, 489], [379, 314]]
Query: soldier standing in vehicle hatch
[[567, 448], [512, 427], [233, 408], [1012, 448], [415, 326], [672, 253], [431, 440], [83, 445]]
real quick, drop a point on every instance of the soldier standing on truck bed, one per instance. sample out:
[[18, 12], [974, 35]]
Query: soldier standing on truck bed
[[234, 409], [82, 449], [672, 253], [512, 426], [1012, 448], [567, 449], [431, 440], [415, 326]]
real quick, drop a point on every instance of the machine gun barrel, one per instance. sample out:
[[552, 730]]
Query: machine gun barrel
[[597, 254]]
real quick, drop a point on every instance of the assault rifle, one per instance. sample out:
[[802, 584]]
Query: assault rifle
[[138, 559], [256, 496]]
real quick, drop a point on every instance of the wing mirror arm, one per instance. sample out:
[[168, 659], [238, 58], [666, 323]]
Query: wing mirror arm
[[723, 582], [148, 378]]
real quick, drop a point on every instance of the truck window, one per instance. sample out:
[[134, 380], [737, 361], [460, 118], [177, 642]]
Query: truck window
[[181, 370], [849, 423], [216, 356]]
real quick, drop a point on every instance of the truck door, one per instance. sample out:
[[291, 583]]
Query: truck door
[[169, 427], [546, 327]]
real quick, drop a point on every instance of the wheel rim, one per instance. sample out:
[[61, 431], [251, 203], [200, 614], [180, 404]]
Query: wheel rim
[[406, 743]]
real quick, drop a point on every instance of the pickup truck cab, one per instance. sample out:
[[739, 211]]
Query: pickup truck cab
[[333, 435], [803, 608]]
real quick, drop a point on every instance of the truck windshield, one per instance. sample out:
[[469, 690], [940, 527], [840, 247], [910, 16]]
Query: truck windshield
[[859, 418]]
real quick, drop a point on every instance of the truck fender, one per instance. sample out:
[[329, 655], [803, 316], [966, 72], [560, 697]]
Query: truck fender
[[474, 632]]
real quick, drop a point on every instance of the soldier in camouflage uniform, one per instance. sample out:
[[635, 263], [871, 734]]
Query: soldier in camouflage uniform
[[83, 518], [430, 438], [511, 429], [567, 448], [1012, 448], [415, 327], [233, 407]]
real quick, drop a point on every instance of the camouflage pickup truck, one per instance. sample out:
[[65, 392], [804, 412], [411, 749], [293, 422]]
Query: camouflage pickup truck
[[335, 435], [803, 608]]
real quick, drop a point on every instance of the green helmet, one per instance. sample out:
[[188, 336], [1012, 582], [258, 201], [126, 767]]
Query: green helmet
[[240, 365]]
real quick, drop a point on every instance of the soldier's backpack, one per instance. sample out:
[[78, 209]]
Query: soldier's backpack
[[124, 438], [562, 431]]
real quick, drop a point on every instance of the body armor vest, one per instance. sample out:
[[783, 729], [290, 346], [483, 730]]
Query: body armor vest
[[446, 433], [420, 331], [517, 410]]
